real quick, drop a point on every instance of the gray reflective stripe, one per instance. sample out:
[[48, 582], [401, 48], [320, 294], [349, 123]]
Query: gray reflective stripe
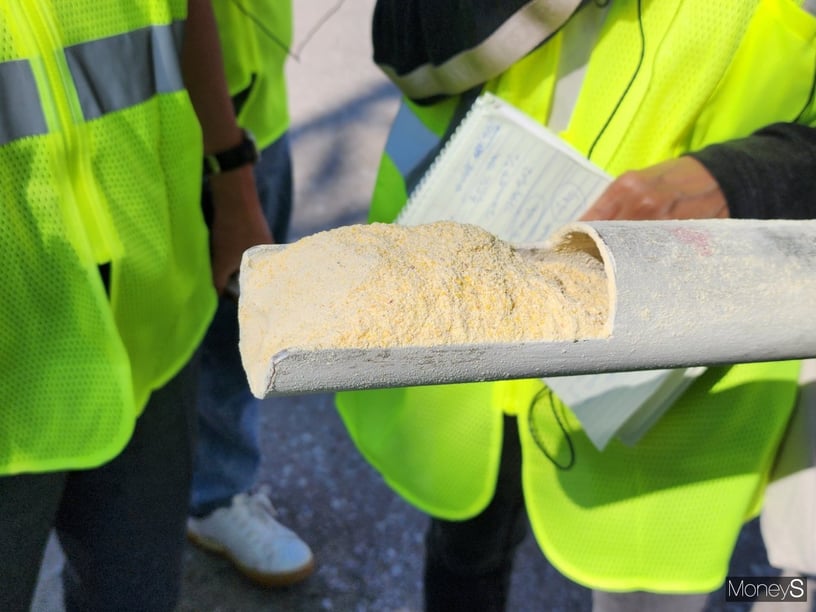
[[414, 161], [515, 38], [20, 109], [409, 141], [167, 57], [121, 71]]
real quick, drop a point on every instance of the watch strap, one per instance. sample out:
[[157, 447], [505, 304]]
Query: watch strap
[[242, 154]]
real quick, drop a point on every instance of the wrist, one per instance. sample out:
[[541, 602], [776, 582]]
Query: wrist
[[234, 190], [245, 153]]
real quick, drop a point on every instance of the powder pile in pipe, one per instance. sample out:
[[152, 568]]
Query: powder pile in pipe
[[385, 285]]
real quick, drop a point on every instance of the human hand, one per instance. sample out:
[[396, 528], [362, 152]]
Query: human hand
[[680, 188], [238, 222]]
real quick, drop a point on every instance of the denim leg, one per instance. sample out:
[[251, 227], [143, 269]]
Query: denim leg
[[273, 179], [228, 453], [121, 525], [468, 563]]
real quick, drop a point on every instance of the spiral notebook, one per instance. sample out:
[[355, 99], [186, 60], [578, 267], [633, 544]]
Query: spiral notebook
[[497, 170], [505, 172]]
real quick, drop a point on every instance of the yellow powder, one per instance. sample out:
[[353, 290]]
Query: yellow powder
[[383, 286]]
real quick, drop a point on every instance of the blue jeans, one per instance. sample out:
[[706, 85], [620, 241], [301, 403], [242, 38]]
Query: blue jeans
[[228, 452]]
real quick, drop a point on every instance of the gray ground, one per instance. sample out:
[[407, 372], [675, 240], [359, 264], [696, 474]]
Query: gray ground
[[368, 543]]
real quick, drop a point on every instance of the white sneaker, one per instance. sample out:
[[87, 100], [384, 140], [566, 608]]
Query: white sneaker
[[247, 533]]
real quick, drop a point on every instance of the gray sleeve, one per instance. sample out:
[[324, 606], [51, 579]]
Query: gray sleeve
[[768, 175]]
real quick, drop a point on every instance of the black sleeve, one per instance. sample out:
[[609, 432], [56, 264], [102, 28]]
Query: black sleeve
[[768, 175]]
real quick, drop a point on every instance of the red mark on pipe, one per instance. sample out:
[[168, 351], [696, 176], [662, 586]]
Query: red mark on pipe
[[696, 239]]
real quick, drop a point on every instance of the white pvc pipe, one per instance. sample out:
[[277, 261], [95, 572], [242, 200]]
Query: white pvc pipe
[[683, 293]]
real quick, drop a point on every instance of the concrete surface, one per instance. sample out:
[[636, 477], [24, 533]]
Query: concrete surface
[[367, 542]]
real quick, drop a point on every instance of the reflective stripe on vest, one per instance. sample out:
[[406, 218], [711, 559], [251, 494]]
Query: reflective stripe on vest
[[409, 140], [523, 31], [22, 113], [127, 77], [414, 142]]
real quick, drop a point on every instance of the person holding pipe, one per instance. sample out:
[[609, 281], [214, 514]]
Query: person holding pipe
[[630, 84]]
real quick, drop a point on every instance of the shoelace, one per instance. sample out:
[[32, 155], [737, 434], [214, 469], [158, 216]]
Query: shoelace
[[258, 506]]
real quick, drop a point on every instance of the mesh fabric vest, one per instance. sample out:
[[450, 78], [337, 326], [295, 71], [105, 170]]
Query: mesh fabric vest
[[100, 164], [255, 40]]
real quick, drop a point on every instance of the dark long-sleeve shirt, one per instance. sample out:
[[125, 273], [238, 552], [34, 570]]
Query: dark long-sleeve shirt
[[768, 175]]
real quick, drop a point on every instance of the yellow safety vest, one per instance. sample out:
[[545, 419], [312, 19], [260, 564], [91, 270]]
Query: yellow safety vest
[[255, 39], [100, 164], [665, 77]]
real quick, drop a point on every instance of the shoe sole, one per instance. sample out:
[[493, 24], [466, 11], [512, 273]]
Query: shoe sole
[[260, 578]]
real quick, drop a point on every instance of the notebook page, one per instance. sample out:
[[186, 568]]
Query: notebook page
[[506, 173]]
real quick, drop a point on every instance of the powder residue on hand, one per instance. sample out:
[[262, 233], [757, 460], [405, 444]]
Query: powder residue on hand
[[384, 286]]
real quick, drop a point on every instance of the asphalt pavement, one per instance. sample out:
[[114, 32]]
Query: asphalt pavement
[[367, 541]]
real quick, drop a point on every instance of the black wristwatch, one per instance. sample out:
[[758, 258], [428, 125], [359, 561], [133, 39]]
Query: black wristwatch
[[242, 154]]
